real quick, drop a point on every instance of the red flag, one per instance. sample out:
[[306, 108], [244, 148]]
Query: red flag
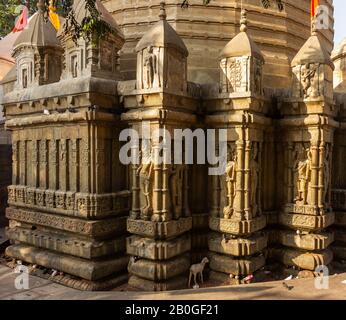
[[314, 6], [22, 20]]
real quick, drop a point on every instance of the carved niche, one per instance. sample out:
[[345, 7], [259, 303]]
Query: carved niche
[[241, 74]]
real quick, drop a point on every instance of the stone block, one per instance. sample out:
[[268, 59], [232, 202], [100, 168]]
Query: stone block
[[237, 227], [157, 250], [148, 285], [95, 228], [235, 266], [237, 247], [89, 270], [310, 242], [223, 278], [159, 230], [306, 222], [159, 270], [303, 260], [67, 243]]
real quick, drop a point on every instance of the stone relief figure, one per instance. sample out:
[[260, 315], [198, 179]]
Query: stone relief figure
[[258, 78], [326, 174], [145, 172], [234, 75], [302, 172], [255, 171], [307, 75], [231, 177], [150, 64], [176, 185]]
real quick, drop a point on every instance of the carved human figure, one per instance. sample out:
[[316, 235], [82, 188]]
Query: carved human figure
[[176, 183], [254, 169], [326, 174], [258, 78], [307, 74], [302, 168], [231, 177], [150, 64], [145, 173]]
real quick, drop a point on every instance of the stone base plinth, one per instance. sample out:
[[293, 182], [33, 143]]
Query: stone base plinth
[[224, 244], [157, 250], [82, 284], [300, 259], [159, 230], [234, 227], [82, 268], [67, 243], [311, 242], [234, 266], [223, 278], [306, 222], [159, 271], [147, 285]]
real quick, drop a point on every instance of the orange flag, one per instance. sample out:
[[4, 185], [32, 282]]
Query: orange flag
[[314, 6], [54, 18]]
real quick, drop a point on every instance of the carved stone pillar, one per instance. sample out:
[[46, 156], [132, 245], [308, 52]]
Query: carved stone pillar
[[307, 132], [236, 242]]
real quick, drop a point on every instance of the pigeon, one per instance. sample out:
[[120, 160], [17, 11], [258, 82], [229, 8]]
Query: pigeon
[[46, 112]]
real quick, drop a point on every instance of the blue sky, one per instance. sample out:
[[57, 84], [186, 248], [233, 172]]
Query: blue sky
[[340, 20]]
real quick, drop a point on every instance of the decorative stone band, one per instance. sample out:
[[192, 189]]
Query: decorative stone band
[[88, 206], [159, 230], [312, 242], [98, 229], [158, 250], [89, 270], [306, 222], [339, 199], [237, 247], [159, 271], [304, 209], [67, 243], [302, 260], [234, 266], [237, 227]]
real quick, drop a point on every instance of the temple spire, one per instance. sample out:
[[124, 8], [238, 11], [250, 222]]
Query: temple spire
[[162, 14], [243, 21], [41, 5]]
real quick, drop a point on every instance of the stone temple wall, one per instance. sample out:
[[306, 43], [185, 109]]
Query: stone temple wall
[[74, 207], [5, 169], [206, 30]]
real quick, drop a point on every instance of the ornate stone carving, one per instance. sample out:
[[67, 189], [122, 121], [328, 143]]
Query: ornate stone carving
[[151, 67], [146, 173], [231, 181], [302, 174]]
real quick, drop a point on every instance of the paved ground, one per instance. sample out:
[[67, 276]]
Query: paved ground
[[301, 289]]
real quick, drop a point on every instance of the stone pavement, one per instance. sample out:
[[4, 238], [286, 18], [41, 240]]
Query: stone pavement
[[302, 289]]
